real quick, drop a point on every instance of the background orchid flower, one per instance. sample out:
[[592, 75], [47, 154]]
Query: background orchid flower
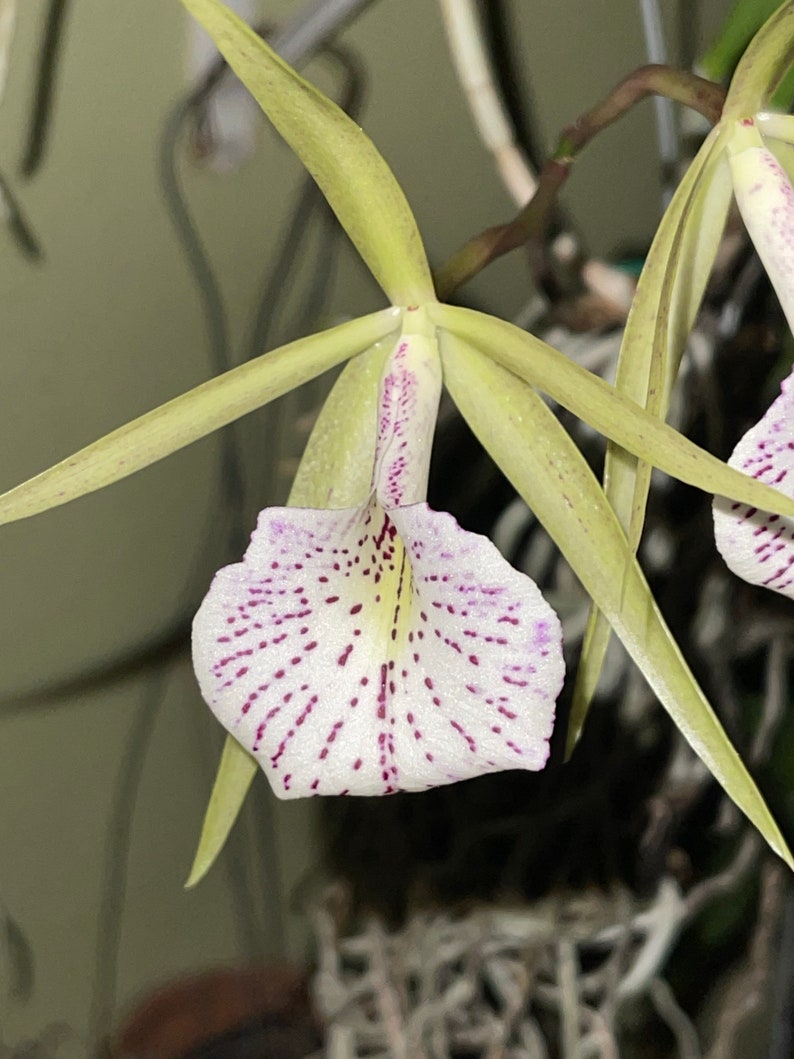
[[493, 372], [668, 298], [380, 648], [758, 545]]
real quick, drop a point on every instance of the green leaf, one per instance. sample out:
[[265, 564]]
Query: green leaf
[[536, 454], [358, 184], [193, 415], [762, 67], [335, 471], [745, 18], [235, 774], [669, 293], [613, 414]]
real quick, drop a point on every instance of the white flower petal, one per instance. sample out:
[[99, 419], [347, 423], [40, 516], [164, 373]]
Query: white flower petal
[[349, 663], [756, 545], [765, 199]]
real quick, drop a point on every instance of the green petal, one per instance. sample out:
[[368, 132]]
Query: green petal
[[193, 415], [358, 184], [335, 471], [669, 294], [777, 132], [235, 773], [532, 448], [614, 415], [762, 67], [745, 18]]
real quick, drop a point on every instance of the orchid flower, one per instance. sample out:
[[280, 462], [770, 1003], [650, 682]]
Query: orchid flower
[[668, 298], [380, 648], [758, 545], [366, 644]]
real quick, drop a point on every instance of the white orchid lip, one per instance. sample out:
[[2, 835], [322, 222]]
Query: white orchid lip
[[756, 545], [383, 648]]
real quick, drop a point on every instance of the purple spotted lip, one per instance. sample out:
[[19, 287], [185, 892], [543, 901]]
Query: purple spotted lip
[[382, 648]]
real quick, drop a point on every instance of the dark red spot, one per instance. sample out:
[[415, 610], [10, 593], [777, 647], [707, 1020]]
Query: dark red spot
[[342, 659]]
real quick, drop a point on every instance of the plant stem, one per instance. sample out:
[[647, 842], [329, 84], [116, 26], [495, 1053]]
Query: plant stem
[[530, 225]]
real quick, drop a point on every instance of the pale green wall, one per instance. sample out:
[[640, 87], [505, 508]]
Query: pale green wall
[[108, 327]]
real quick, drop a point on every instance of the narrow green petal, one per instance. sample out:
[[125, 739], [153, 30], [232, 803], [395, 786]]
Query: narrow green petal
[[779, 127], [536, 454], [777, 132], [706, 201], [336, 468], [762, 67], [614, 415], [335, 471], [745, 18], [235, 773], [351, 173], [669, 294], [193, 415]]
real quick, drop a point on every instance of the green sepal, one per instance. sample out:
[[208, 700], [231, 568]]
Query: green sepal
[[611, 413], [358, 184], [762, 67], [744, 20], [669, 293], [528, 443], [193, 415], [235, 774], [336, 467]]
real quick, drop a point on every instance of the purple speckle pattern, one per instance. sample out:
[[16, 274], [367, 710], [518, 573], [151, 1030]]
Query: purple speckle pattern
[[765, 198], [367, 652], [756, 545], [407, 410]]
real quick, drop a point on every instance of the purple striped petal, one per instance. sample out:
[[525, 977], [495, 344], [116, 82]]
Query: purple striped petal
[[407, 409], [756, 545], [367, 652]]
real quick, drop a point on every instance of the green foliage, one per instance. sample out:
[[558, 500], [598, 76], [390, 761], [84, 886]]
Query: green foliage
[[668, 297]]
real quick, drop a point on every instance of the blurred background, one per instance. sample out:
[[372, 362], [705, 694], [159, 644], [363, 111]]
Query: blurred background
[[107, 753]]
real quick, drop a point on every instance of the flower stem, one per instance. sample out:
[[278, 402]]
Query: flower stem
[[530, 225]]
